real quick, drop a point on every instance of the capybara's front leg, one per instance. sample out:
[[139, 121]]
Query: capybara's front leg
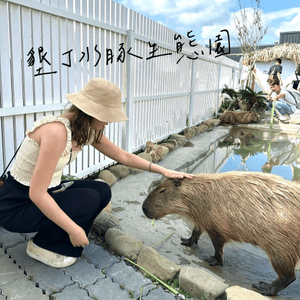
[[218, 243], [271, 289], [193, 239]]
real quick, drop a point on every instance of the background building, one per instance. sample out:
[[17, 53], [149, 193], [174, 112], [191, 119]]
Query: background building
[[288, 49]]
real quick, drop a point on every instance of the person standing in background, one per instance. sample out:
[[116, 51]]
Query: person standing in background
[[275, 71]]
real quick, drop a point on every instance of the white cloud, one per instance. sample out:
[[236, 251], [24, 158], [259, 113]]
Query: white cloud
[[291, 25], [283, 20], [155, 7], [279, 21], [210, 31], [182, 10], [208, 17], [285, 13]]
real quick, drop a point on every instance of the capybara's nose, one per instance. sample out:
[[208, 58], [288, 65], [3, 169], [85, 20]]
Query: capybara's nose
[[145, 209]]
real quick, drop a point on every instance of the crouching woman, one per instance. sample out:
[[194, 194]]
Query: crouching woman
[[29, 197]]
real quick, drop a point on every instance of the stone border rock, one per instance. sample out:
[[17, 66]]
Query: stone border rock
[[196, 281]]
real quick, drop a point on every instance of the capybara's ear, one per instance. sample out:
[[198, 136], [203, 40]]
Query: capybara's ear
[[177, 181]]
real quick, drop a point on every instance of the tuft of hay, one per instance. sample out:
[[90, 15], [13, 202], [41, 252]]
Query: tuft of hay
[[287, 50]]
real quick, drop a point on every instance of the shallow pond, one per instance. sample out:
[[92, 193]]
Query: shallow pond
[[255, 150], [247, 149]]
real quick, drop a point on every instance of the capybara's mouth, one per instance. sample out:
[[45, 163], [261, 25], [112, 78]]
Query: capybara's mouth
[[147, 211]]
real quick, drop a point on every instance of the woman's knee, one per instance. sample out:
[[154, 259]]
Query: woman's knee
[[97, 200], [98, 195], [280, 108], [84, 200], [100, 186], [104, 191]]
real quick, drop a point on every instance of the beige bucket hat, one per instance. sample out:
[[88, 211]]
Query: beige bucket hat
[[100, 99]]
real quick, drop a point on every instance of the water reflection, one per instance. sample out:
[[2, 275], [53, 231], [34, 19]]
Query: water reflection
[[247, 149]]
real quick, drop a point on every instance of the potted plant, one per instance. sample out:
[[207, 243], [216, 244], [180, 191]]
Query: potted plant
[[254, 101], [232, 103]]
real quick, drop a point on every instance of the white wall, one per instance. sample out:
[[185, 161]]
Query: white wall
[[288, 73]]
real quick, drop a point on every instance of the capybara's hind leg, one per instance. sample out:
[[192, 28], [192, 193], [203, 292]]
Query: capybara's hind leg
[[193, 239], [218, 243], [285, 270], [271, 289]]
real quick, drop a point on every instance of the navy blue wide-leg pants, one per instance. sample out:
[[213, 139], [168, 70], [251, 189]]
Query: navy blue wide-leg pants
[[82, 202]]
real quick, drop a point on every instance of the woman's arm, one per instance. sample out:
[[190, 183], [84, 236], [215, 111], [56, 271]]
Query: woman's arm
[[114, 152], [52, 138], [281, 95]]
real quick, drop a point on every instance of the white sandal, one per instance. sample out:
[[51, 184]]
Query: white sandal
[[47, 257]]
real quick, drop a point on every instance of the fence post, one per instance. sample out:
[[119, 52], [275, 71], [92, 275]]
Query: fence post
[[129, 92], [218, 89], [240, 77], [191, 104], [234, 74]]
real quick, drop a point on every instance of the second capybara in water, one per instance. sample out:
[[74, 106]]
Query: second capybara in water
[[250, 207]]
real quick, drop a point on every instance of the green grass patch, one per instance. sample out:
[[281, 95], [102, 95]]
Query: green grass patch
[[174, 283], [68, 177]]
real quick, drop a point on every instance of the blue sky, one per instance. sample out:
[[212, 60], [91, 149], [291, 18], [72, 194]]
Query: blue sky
[[207, 17]]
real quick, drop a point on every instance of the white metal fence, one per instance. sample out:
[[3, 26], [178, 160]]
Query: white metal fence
[[52, 47]]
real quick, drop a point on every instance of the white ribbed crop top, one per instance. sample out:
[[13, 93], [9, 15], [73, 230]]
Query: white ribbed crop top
[[27, 156]]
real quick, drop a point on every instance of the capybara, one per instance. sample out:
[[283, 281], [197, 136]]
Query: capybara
[[250, 207], [239, 117]]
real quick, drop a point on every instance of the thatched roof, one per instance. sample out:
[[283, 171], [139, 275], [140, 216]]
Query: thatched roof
[[287, 50]]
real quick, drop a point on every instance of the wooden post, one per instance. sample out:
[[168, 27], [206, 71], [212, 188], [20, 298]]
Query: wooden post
[[258, 81], [253, 78]]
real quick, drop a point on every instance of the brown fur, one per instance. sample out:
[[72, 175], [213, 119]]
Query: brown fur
[[239, 117], [251, 207]]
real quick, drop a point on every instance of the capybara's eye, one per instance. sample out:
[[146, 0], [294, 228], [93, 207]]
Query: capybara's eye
[[162, 191]]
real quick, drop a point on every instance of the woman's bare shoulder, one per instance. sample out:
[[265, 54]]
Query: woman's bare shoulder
[[54, 131]]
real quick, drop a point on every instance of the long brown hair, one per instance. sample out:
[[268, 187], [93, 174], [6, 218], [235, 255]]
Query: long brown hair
[[81, 127]]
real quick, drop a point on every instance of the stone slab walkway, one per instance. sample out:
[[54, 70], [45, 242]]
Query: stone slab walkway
[[96, 275]]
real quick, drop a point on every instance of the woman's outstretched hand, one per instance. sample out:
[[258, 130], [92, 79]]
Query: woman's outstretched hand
[[175, 174]]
